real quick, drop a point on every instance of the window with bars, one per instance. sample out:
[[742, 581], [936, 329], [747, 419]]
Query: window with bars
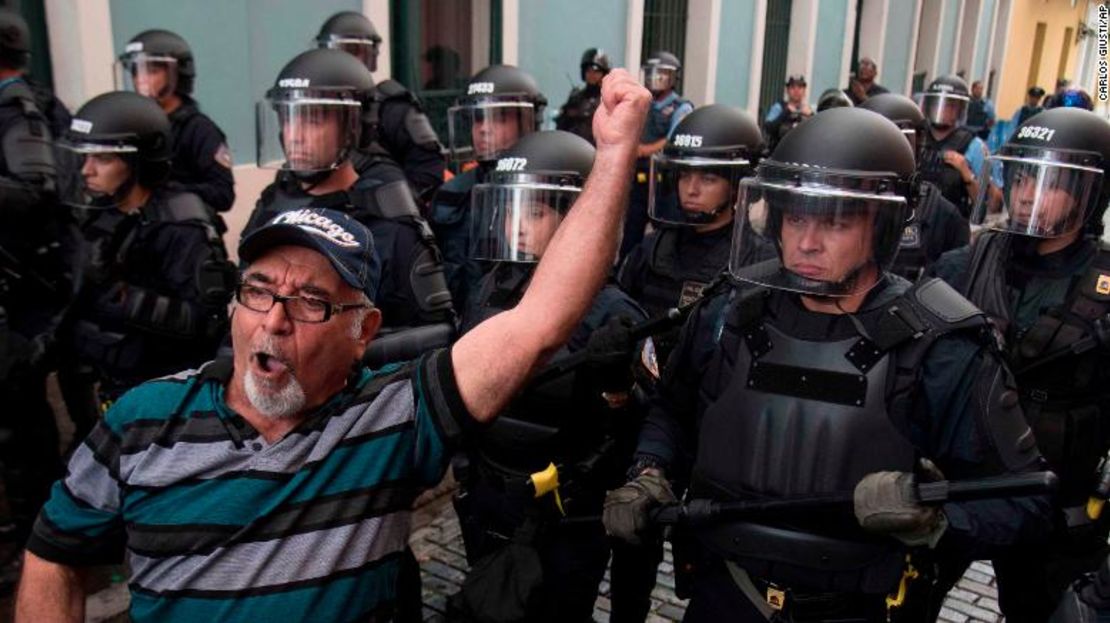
[[434, 51], [776, 40], [664, 28]]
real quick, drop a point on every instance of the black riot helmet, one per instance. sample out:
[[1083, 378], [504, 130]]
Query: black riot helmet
[[156, 63], [15, 40], [122, 125], [833, 199], [594, 58], [516, 211], [354, 34], [502, 104], [905, 114], [833, 98], [1054, 176], [944, 103], [696, 176], [661, 71], [309, 122]]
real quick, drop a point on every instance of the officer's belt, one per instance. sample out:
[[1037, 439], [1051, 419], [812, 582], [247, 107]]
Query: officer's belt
[[1041, 396], [769, 598], [807, 559]]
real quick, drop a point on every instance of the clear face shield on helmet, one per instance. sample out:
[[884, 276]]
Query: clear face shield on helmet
[[307, 131], [106, 173], [514, 220], [944, 110], [482, 129], [1045, 193], [692, 191], [151, 75], [658, 77], [364, 49], [833, 238]]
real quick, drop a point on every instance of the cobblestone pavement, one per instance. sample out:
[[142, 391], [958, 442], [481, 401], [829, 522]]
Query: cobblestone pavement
[[439, 548]]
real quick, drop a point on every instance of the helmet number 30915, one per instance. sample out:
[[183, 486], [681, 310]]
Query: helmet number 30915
[[687, 140], [1036, 132]]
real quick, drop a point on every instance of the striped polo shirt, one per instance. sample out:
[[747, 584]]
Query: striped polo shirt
[[219, 525]]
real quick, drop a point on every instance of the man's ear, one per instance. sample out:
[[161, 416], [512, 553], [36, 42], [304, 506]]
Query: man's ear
[[370, 325]]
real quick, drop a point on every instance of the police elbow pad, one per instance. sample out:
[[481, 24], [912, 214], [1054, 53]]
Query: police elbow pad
[[420, 130], [159, 313], [1001, 420], [429, 284], [216, 280], [29, 155]]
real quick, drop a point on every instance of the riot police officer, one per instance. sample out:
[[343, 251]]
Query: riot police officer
[[516, 212], [34, 284], [159, 64], [819, 373], [502, 104], [393, 117], [156, 283], [310, 127], [833, 98], [577, 114], [1044, 282], [953, 156], [660, 73], [787, 113], [937, 226], [694, 182]]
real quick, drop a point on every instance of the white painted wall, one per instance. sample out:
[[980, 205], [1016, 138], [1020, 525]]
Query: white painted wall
[[80, 49], [872, 30], [634, 37], [703, 23], [756, 67], [803, 36], [928, 35], [377, 11]]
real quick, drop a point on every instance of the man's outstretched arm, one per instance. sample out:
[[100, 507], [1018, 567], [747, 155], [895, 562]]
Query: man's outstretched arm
[[493, 360], [49, 592]]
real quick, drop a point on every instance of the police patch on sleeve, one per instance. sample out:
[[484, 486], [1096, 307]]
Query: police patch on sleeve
[[223, 156], [911, 236], [1102, 286]]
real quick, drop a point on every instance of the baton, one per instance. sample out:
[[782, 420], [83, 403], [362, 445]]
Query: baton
[[702, 511], [647, 328]]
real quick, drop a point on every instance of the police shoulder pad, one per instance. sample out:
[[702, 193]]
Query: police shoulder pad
[[182, 207], [944, 302], [391, 89]]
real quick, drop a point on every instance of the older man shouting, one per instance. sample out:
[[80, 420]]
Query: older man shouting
[[276, 488]]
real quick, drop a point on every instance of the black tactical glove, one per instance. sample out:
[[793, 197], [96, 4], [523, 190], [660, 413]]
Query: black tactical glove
[[885, 503], [611, 350], [612, 343], [627, 511]]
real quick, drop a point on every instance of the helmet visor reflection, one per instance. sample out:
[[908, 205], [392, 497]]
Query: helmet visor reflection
[[1040, 198], [516, 222]]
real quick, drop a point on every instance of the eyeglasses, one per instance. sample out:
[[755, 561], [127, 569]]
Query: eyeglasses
[[299, 308]]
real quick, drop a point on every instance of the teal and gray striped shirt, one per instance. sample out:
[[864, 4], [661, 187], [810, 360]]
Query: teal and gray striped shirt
[[219, 525]]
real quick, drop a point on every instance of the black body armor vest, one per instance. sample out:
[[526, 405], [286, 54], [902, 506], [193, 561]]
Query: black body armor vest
[[1060, 362], [801, 404], [933, 168]]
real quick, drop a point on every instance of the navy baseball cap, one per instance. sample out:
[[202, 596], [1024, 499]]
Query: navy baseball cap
[[347, 244]]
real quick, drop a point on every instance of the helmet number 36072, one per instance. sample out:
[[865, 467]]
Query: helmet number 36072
[[1036, 132]]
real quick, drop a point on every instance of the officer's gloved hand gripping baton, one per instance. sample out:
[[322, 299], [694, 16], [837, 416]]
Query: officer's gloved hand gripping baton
[[704, 511]]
